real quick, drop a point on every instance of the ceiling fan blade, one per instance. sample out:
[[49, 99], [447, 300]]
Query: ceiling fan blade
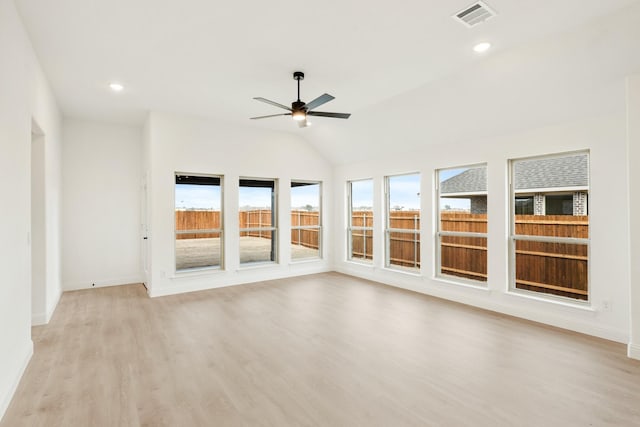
[[332, 115], [272, 115], [322, 99], [272, 103]]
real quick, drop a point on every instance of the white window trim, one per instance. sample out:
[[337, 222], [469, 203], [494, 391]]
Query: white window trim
[[206, 269], [439, 234], [318, 227], [416, 269], [513, 238], [272, 228], [351, 228]]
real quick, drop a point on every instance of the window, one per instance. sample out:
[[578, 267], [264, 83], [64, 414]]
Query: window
[[360, 227], [306, 220], [462, 225], [524, 205], [402, 231], [257, 220], [561, 204], [550, 243], [198, 221]]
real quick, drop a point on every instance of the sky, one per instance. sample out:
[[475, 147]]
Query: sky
[[362, 193], [255, 197], [189, 196], [305, 195], [404, 193]]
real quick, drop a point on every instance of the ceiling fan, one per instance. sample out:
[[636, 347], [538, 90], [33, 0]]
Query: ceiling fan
[[299, 110]]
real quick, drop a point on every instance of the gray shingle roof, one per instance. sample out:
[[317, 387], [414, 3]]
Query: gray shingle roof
[[470, 181], [566, 171]]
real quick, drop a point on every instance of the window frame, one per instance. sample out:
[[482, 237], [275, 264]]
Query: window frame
[[440, 233], [514, 238], [351, 228], [220, 230], [273, 228], [417, 267], [318, 227]]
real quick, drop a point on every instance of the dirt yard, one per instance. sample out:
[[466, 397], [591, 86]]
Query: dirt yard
[[194, 253]]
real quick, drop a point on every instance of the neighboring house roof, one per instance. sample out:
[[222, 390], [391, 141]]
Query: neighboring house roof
[[557, 172], [470, 181]]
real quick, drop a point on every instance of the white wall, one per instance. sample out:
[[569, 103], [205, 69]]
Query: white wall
[[38, 229], [187, 144], [633, 157], [101, 204], [45, 113], [24, 96], [604, 137]]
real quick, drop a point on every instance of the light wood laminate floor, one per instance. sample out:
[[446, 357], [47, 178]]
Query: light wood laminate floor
[[327, 350]]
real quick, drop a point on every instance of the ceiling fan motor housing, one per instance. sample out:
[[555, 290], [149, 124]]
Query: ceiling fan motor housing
[[297, 105]]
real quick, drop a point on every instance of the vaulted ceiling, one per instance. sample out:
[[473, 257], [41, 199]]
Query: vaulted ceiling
[[405, 70]]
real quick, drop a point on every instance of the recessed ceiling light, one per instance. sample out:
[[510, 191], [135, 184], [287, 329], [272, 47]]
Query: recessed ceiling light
[[116, 87], [482, 47]]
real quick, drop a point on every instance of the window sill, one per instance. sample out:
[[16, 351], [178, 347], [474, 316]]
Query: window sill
[[305, 261], [464, 284], [586, 306], [362, 263], [195, 272], [257, 266], [408, 272]]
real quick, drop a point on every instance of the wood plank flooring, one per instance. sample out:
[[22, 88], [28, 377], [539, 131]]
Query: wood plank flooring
[[320, 350]]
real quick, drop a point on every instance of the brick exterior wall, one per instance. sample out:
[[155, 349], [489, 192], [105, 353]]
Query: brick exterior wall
[[538, 204], [579, 203], [479, 205]]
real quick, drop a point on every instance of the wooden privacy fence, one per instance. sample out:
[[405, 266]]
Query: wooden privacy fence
[[197, 220], [464, 256], [305, 228], [362, 240], [555, 268], [257, 218], [547, 267], [404, 246]]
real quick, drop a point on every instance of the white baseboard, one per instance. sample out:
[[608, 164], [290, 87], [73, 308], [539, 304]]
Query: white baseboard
[[634, 351], [53, 305], [38, 319], [19, 367], [575, 319], [115, 281], [196, 283], [44, 318]]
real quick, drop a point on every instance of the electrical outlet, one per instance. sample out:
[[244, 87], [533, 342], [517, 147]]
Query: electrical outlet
[[606, 305]]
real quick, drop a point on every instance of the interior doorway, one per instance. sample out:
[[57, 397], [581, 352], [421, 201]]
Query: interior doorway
[[38, 226]]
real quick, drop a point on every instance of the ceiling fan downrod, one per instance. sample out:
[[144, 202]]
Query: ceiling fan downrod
[[299, 112]]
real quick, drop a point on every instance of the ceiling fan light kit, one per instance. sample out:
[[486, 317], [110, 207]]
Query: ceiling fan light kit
[[300, 110]]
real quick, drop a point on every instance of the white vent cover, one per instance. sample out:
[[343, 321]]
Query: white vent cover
[[474, 14]]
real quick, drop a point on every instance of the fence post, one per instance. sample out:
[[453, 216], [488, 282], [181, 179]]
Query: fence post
[[415, 240], [364, 235], [299, 230]]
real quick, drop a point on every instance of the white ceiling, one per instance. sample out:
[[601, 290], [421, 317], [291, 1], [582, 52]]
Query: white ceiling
[[210, 58]]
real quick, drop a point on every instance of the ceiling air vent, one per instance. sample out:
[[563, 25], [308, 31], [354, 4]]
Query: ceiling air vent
[[474, 14]]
